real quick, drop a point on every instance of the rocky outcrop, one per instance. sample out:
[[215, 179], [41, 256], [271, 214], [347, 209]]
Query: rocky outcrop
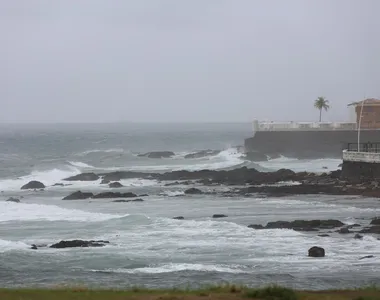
[[83, 177], [203, 153], [344, 230], [316, 252], [264, 183], [178, 218], [119, 175], [193, 191], [157, 154], [373, 229], [12, 199], [130, 200], [78, 195], [375, 221], [78, 243], [255, 156], [216, 216], [106, 195], [115, 185], [300, 225], [358, 236], [32, 185]]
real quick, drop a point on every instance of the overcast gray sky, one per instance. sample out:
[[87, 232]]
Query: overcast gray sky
[[193, 60]]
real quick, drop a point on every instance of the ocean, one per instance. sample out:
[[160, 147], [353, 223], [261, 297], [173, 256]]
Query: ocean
[[147, 246]]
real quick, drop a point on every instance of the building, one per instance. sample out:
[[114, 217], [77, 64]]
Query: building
[[370, 113]]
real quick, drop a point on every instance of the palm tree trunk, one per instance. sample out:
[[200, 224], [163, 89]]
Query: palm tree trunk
[[320, 115]]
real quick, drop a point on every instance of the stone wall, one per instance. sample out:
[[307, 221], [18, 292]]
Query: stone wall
[[359, 166], [307, 144]]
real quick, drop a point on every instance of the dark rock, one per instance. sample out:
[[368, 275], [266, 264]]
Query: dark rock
[[178, 218], [372, 229], [344, 230], [78, 243], [193, 191], [302, 224], [202, 153], [368, 256], [353, 226], [83, 177], [375, 221], [323, 235], [305, 229], [58, 184], [33, 247], [106, 195], [12, 199], [255, 156], [131, 200], [358, 236], [105, 181], [115, 185], [256, 226], [143, 195], [33, 185], [158, 154], [78, 195], [219, 216], [316, 252], [340, 165]]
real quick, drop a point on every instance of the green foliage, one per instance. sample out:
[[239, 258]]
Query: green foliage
[[272, 293], [321, 103]]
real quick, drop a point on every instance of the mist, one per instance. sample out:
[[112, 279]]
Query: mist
[[186, 61]]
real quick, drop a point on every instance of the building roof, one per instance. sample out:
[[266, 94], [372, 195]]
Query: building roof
[[368, 101]]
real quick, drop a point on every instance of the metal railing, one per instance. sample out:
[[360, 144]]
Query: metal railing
[[364, 147], [299, 126]]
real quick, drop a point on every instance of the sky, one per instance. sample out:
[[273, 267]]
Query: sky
[[186, 60]]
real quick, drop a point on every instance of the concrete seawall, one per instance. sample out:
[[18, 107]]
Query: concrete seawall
[[359, 166], [307, 144]]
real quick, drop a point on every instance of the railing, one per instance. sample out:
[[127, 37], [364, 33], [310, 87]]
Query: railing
[[364, 147], [298, 126]]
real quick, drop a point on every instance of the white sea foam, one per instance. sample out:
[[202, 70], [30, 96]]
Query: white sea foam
[[177, 267], [173, 193], [6, 245], [80, 164], [48, 177], [10, 211], [116, 150], [298, 165]]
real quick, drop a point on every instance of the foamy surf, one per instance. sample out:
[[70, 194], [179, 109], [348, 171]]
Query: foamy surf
[[112, 150], [178, 267], [48, 177], [10, 211], [300, 165], [6, 245]]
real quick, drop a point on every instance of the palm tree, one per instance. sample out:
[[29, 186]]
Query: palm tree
[[321, 103]]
